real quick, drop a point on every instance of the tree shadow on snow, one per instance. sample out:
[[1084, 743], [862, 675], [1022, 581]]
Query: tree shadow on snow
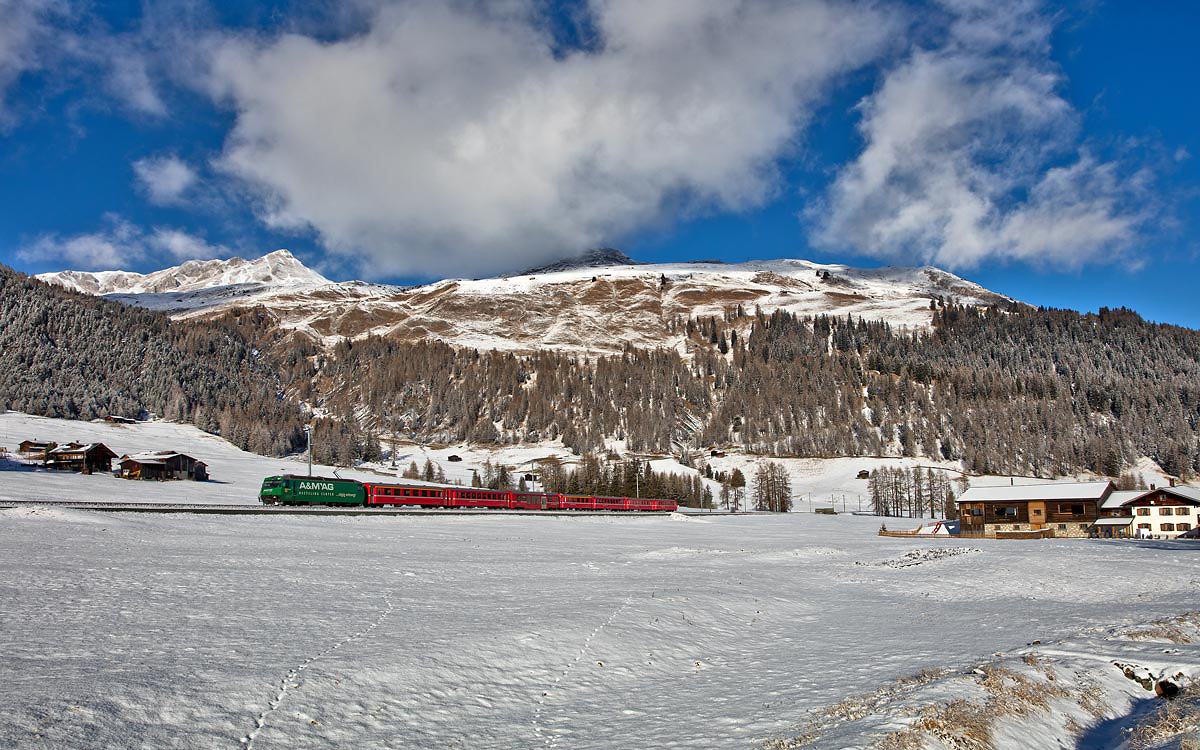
[[1174, 545], [1110, 733]]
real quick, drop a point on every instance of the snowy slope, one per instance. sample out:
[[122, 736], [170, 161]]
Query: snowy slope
[[236, 474], [574, 307]]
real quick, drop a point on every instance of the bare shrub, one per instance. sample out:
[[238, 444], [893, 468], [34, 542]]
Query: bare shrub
[[1172, 719]]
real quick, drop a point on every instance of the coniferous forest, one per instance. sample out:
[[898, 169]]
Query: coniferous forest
[[75, 356], [1017, 390]]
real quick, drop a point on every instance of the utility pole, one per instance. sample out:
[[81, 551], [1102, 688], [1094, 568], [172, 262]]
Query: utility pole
[[308, 444]]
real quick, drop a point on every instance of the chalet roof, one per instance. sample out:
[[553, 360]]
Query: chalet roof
[[1186, 494], [77, 448], [1023, 492], [1119, 521], [144, 460]]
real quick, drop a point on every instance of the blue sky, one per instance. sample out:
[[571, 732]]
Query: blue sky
[[1047, 151]]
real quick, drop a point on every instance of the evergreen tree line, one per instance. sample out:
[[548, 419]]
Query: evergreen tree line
[[1020, 391], [608, 477], [75, 356], [1017, 390]]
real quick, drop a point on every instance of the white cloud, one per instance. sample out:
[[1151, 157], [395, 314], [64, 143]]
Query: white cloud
[[971, 154], [120, 245], [67, 41], [183, 246], [447, 140], [24, 24], [129, 79], [165, 178]]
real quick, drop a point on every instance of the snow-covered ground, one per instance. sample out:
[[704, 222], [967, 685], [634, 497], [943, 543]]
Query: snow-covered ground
[[519, 632], [237, 475]]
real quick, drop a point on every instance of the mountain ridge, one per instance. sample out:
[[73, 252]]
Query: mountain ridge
[[598, 302]]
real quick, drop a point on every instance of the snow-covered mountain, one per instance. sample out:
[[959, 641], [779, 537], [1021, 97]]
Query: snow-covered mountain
[[595, 303], [195, 284]]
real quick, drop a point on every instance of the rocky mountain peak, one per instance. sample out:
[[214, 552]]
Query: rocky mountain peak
[[599, 257]]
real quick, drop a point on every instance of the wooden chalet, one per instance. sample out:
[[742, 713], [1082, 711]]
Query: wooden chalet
[[87, 458], [163, 465], [35, 449], [1060, 509]]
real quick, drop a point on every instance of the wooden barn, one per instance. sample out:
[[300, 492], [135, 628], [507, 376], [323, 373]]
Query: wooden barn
[[163, 465], [88, 458], [35, 449], [1032, 510]]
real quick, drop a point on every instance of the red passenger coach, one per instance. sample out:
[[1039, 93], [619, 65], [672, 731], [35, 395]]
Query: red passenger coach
[[475, 497], [395, 494], [534, 501]]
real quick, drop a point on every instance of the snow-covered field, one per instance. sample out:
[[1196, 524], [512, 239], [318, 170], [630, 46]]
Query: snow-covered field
[[237, 475], [513, 632], [519, 632]]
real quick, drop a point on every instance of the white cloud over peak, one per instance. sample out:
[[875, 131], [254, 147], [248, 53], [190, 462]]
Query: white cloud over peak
[[164, 178], [447, 140], [120, 245], [970, 154]]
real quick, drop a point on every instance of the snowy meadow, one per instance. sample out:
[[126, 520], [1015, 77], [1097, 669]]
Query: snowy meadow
[[506, 632]]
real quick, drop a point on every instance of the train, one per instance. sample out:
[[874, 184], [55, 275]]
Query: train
[[293, 489]]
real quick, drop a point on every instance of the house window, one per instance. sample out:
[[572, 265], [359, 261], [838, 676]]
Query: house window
[[1062, 527], [1181, 511], [1075, 509], [1145, 526], [1167, 526], [1037, 511], [1009, 511], [1183, 527], [1164, 511], [1143, 511]]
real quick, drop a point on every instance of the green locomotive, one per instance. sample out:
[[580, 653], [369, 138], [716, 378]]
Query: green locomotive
[[290, 489]]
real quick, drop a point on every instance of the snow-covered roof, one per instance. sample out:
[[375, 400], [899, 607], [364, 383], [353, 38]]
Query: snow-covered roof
[[154, 457], [1190, 494], [75, 448], [1120, 497], [1121, 521], [1052, 491]]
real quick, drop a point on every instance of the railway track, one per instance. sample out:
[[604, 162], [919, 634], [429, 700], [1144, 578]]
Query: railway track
[[279, 510]]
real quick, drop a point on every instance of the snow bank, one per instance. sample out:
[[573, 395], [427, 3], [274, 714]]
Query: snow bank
[[1094, 691]]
